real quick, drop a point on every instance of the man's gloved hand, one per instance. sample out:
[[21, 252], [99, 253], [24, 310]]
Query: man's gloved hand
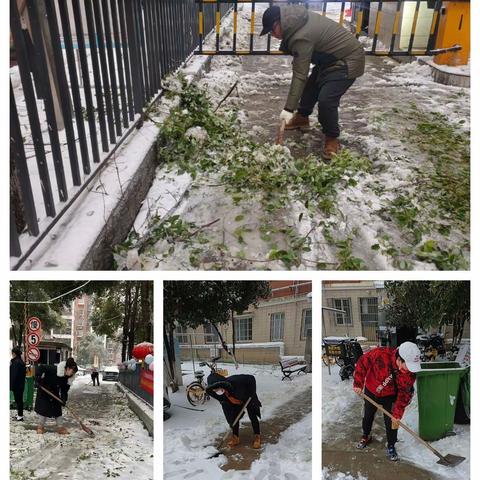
[[395, 423], [286, 115]]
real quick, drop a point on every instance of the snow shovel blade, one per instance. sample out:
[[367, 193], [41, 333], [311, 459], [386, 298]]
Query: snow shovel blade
[[450, 460]]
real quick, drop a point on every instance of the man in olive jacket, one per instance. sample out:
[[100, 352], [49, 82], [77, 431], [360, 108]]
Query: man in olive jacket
[[338, 59]]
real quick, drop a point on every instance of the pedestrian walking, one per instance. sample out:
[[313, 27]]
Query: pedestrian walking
[[95, 377], [18, 372]]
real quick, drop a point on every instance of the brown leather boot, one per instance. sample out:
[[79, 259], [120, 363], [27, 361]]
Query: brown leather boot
[[298, 121], [234, 441], [257, 443], [40, 430], [330, 148], [62, 431]]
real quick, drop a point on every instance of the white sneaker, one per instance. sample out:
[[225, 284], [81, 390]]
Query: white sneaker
[[18, 419]]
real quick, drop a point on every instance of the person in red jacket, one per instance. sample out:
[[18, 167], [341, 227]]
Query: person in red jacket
[[386, 375]]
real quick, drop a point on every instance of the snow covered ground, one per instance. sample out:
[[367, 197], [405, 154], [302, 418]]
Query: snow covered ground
[[121, 447], [189, 435], [341, 416], [403, 206]]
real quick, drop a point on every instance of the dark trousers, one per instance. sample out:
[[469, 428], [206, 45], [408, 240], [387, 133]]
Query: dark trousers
[[369, 415], [252, 414], [95, 378], [326, 90], [18, 396]]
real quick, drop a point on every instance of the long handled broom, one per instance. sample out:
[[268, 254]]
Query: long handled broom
[[233, 424], [448, 460], [74, 415]]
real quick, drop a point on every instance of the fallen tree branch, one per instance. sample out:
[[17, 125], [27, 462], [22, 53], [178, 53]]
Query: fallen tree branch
[[226, 96]]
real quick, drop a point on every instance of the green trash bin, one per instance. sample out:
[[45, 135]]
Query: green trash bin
[[27, 395], [437, 390], [462, 413]]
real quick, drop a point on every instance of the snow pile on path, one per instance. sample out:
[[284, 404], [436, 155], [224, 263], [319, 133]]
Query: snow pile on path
[[457, 445], [339, 398], [189, 435], [290, 458], [329, 475], [121, 447]]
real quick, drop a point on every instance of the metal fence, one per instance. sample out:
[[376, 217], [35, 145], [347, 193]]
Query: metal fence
[[361, 16], [133, 381], [82, 72]]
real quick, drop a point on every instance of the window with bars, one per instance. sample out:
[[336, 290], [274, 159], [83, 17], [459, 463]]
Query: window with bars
[[181, 335], [211, 335], [345, 305], [369, 309], [306, 324], [243, 329], [277, 322]]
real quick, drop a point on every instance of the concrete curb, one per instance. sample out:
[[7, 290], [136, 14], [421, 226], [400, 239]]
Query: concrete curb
[[140, 408], [440, 75], [105, 213]]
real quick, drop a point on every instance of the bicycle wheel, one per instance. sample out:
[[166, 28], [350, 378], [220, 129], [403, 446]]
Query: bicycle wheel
[[196, 394]]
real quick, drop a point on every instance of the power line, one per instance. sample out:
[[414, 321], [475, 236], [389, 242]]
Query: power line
[[52, 299]]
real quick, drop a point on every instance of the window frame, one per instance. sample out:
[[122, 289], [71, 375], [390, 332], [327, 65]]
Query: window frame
[[347, 319], [273, 320], [303, 335], [249, 329]]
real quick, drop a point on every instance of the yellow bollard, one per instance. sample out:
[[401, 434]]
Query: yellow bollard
[[454, 28]]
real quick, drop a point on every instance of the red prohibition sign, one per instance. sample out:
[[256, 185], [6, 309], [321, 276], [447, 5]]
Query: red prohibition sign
[[34, 324], [33, 354]]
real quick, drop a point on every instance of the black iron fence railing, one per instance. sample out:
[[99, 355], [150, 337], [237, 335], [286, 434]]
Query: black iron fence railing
[[140, 382], [367, 16], [82, 71]]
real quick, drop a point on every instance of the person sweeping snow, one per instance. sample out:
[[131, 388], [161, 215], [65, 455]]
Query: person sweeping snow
[[386, 375], [233, 393], [338, 59], [57, 380]]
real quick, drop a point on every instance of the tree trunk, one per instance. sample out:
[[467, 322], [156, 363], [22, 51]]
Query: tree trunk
[[233, 335], [133, 320], [126, 319], [170, 350], [146, 311]]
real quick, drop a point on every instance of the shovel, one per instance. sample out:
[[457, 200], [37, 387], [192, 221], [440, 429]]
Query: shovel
[[448, 460], [233, 424], [280, 133], [77, 418]]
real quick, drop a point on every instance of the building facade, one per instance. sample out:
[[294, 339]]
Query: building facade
[[360, 300], [82, 306], [278, 326], [362, 303]]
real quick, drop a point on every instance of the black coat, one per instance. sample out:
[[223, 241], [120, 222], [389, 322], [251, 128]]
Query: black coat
[[45, 405], [18, 372], [242, 387]]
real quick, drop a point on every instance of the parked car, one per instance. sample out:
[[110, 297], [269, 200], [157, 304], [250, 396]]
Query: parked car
[[81, 371], [110, 374]]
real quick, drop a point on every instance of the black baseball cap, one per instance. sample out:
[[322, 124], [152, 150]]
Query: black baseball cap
[[270, 16]]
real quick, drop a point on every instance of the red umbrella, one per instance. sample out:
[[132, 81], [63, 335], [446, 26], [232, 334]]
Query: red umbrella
[[141, 350]]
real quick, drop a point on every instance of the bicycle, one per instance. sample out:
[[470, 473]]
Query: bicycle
[[197, 390]]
